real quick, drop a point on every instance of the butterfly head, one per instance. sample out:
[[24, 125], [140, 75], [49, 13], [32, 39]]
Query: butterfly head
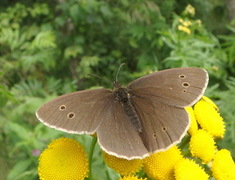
[[116, 85]]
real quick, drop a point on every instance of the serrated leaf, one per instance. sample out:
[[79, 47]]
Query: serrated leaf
[[45, 39]]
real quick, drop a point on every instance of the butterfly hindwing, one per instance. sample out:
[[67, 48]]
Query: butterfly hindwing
[[163, 125], [117, 136]]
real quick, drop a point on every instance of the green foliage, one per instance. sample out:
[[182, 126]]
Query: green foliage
[[229, 47], [5, 95], [48, 48]]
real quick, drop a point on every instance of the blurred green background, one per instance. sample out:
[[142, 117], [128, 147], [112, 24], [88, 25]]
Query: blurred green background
[[47, 48]]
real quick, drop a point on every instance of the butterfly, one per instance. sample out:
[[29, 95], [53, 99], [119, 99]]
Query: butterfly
[[131, 122]]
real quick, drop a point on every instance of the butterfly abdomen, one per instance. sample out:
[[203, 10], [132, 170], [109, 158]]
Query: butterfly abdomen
[[123, 97]]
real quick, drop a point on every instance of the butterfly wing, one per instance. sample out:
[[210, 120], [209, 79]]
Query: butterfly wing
[[117, 136], [159, 99], [178, 86], [77, 112], [91, 111], [163, 125]]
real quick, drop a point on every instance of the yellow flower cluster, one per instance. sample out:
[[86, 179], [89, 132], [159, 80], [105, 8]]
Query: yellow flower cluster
[[184, 29], [171, 165], [202, 145], [190, 10], [123, 166], [161, 165], [206, 114], [187, 169], [167, 165], [185, 24], [209, 118], [188, 24], [223, 166], [199, 22], [64, 158]]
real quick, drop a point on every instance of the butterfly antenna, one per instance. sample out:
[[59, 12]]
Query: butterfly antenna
[[100, 77], [116, 79]]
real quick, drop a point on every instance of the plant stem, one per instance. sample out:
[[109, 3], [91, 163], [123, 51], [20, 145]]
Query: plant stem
[[92, 147]]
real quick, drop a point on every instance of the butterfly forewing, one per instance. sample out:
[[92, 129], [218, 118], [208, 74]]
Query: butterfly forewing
[[95, 111], [159, 99], [117, 136], [77, 112], [178, 86]]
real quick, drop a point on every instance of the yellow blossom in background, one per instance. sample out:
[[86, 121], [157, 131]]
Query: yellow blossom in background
[[184, 26], [199, 22], [187, 23], [181, 20], [131, 178], [193, 123], [161, 165], [202, 145], [223, 167], [187, 169], [63, 159], [209, 118], [215, 68], [184, 29], [123, 166], [190, 10]]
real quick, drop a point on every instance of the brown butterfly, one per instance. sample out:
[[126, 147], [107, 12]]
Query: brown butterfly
[[131, 122]]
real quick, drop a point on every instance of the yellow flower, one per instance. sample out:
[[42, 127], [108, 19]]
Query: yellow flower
[[209, 101], [64, 158], [181, 20], [123, 166], [161, 165], [190, 10], [187, 169], [215, 68], [199, 22], [193, 123], [184, 29], [202, 145], [187, 23], [223, 167], [208, 117], [131, 178]]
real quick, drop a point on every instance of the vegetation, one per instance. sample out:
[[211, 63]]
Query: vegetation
[[47, 48]]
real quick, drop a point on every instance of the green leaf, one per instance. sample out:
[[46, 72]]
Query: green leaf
[[19, 130], [5, 95], [19, 168], [72, 52], [45, 39]]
